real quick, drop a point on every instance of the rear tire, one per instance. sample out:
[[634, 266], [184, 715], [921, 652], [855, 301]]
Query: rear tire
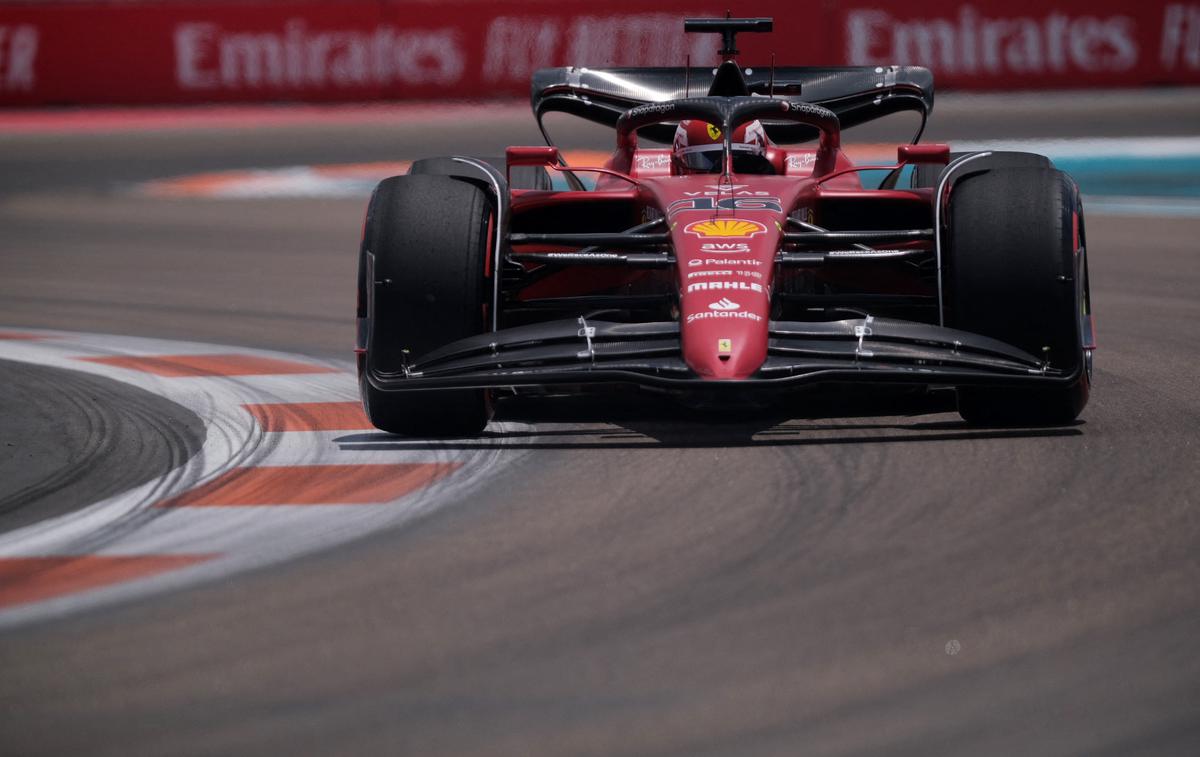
[[421, 285], [1013, 273]]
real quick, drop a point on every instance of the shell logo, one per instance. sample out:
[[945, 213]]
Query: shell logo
[[725, 227]]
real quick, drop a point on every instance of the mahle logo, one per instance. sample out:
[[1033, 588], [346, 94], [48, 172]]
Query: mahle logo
[[717, 286], [725, 227]]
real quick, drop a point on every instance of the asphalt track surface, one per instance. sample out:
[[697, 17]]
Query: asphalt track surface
[[637, 580], [72, 439]]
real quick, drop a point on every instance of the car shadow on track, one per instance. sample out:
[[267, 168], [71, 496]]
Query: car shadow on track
[[606, 422]]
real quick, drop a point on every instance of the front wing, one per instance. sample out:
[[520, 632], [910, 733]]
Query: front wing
[[578, 352]]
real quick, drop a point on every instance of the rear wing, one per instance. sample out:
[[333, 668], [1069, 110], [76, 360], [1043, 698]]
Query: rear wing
[[856, 94]]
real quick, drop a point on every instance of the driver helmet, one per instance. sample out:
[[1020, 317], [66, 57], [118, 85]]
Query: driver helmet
[[698, 144]]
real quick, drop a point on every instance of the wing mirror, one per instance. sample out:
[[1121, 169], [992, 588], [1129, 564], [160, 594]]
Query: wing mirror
[[934, 153]]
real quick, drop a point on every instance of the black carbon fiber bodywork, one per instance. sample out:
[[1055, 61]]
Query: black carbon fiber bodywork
[[581, 352], [855, 94]]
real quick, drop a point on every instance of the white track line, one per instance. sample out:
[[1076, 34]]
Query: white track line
[[1171, 207], [1092, 147], [242, 537]]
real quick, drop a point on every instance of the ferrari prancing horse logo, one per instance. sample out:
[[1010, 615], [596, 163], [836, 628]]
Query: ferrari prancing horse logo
[[713, 132], [725, 227]]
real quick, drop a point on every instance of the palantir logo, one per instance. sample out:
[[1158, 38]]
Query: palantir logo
[[724, 304]]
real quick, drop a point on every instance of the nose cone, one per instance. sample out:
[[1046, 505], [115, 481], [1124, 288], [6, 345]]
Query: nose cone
[[724, 271], [725, 330]]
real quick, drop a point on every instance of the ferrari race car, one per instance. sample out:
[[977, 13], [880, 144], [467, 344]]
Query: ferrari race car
[[744, 261]]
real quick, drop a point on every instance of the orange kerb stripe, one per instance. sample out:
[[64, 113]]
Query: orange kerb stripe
[[209, 365], [18, 335], [200, 184], [30, 579], [312, 485], [310, 416], [865, 153], [205, 184], [377, 170], [589, 158]]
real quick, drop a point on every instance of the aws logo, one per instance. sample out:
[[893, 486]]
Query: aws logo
[[726, 228]]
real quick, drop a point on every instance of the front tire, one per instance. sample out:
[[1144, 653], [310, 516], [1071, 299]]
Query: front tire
[[1016, 270], [422, 285], [927, 175], [519, 177]]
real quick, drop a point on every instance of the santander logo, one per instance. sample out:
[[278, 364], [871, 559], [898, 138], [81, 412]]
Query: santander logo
[[724, 304]]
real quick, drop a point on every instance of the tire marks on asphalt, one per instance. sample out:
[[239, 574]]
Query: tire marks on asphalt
[[68, 439], [270, 483]]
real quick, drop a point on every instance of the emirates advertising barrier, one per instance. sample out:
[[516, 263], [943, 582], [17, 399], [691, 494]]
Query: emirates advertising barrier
[[180, 51]]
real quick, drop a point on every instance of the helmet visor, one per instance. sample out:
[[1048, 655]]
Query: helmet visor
[[747, 158], [702, 158]]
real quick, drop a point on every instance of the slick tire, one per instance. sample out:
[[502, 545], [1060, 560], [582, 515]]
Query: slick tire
[[421, 285], [926, 176], [1016, 270], [520, 177]]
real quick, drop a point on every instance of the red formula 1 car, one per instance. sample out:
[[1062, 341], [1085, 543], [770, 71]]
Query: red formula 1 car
[[727, 267]]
